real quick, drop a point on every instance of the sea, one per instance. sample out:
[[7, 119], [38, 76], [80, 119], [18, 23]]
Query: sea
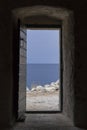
[[41, 74]]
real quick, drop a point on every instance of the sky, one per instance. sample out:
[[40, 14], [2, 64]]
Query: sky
[[43, 46]]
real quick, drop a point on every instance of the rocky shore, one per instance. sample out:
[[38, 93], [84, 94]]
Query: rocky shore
[[54, 86]]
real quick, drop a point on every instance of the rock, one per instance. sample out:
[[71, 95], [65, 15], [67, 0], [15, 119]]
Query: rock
[[46, 86], [33, 89], [57, 82], [50, 89], [39, 88], [52, 84], [57, 87]]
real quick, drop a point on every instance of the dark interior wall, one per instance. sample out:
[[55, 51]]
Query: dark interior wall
[[80, 27], [5, 66], [81, 67]]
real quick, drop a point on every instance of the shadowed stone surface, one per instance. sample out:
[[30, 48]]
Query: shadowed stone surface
[[46, 122]]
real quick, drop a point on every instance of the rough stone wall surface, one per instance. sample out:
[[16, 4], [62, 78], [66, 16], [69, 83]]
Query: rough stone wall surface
[[6, 73], [68, 66], [22, 74]]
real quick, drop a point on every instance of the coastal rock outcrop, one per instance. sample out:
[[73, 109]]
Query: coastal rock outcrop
[[54, 86]]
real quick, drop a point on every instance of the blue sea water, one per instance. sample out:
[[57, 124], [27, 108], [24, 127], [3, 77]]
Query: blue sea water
[[41, 74]]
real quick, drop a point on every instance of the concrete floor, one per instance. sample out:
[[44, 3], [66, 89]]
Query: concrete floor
[[45, 122]]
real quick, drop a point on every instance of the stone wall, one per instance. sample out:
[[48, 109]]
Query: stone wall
[[22, 74], [68, 46]]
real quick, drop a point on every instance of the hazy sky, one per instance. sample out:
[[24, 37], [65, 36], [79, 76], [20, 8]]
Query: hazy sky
[[43, 46]]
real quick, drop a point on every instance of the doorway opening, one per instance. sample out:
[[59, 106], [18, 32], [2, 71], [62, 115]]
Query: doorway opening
[[45, 15], [43, 69]]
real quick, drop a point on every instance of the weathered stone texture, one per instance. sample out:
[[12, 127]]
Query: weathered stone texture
[[22, 74]]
